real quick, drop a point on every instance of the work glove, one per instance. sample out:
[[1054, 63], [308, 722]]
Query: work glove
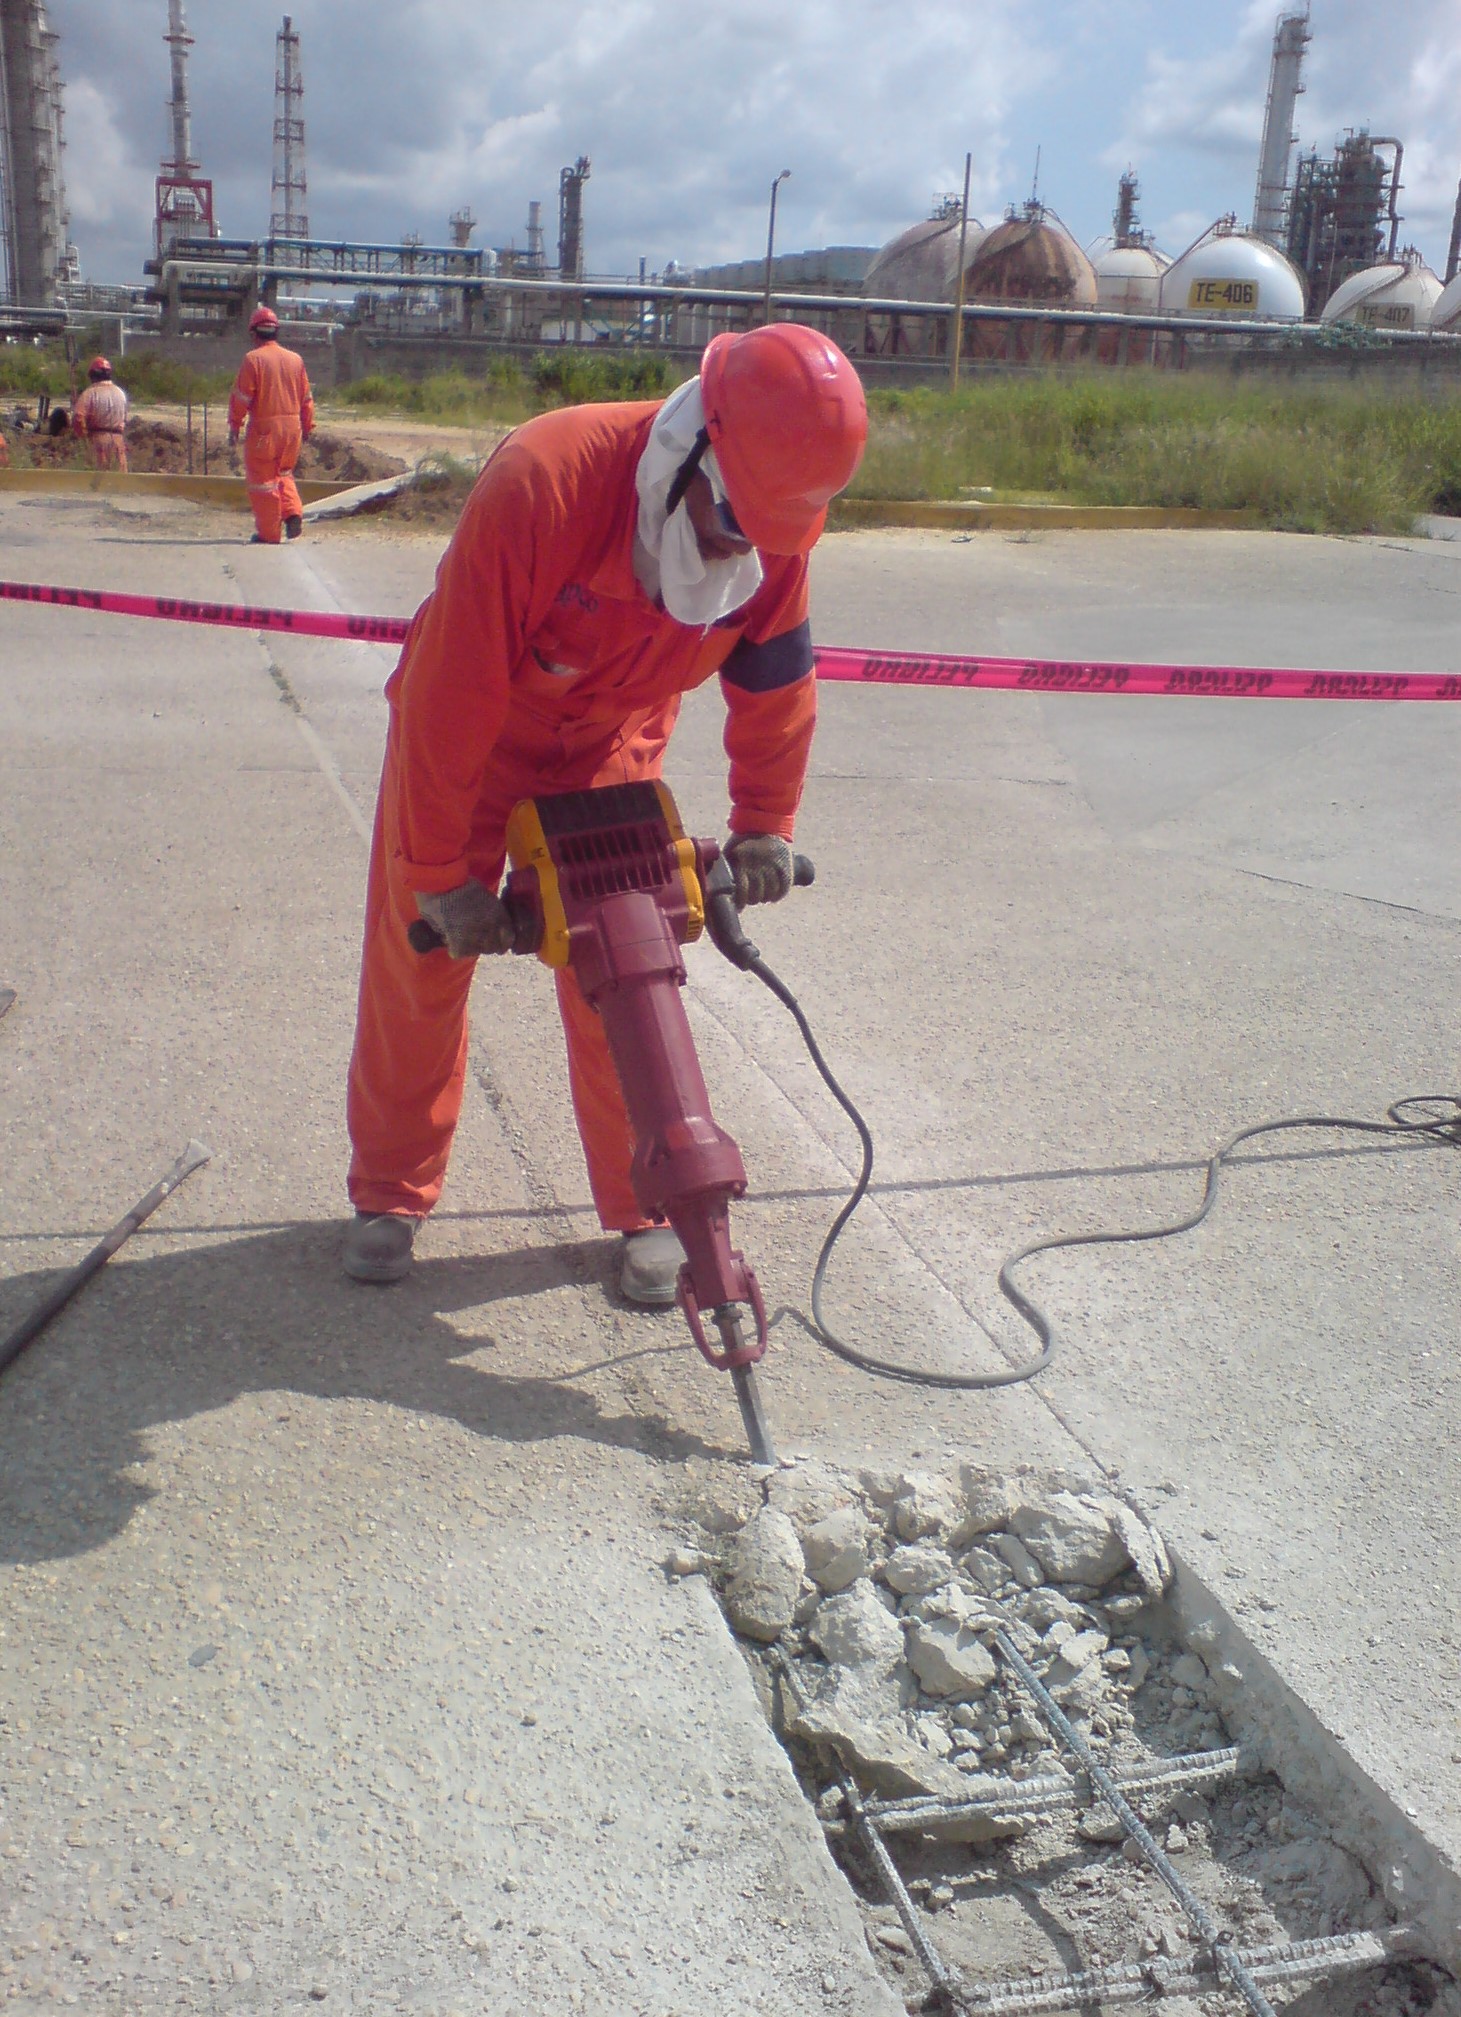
[[762, 866], [471, 919]]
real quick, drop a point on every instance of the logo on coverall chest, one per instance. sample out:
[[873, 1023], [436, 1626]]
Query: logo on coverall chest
[[570, 630]]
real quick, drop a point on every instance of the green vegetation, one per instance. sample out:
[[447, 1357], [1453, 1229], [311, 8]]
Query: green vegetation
[[1344, 458], [1305, 459], [509, 390], [27, 369]]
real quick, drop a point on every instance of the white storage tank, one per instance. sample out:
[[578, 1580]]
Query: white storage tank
[[1447, 312], [1397, 294], [1128, 277], [1230, 273]]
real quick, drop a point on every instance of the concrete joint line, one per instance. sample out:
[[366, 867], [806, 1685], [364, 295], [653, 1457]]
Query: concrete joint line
[[318, 748]]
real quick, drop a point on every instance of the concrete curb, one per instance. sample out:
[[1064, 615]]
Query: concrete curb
[[359, 497], [1262, 1709], [938, 515], [226, 490]]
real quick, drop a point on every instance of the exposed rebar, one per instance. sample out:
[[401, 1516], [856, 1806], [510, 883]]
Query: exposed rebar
[[1214, 1939], [1049, 1793]]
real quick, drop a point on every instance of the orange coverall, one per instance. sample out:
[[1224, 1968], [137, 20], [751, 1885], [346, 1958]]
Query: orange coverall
[[538, 664], [272, 394], [99, 417]]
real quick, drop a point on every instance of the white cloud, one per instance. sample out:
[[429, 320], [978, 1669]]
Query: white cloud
[[414, 109], [105, 185]]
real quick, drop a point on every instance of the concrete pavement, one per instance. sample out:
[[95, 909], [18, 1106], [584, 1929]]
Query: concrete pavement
[[1059, 948], [340, 1670]]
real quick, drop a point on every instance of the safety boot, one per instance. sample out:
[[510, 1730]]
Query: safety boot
[[378, 1246], [294, 525], [649, 1266]]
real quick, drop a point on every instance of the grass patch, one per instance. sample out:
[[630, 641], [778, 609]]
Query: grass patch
[[1301, 459], [29, 369], [509, 390]]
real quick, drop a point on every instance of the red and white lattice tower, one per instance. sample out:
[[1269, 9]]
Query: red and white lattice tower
[[184, 204], [287, 217]]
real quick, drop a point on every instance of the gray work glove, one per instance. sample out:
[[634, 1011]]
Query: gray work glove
[[762, 866], [471, 918]]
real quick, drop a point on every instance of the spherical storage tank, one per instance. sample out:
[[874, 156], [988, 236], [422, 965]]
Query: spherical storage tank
[[1397, 294], [1129, 278], [922, 263], [1447, 312], [1229, 272], [1028, 259]]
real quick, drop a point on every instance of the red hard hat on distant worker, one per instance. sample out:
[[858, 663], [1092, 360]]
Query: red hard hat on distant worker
[[263, 318], [786, 416], [99, 367]]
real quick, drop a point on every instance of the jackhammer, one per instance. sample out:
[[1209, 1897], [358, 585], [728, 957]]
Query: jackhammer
[[606, 882]]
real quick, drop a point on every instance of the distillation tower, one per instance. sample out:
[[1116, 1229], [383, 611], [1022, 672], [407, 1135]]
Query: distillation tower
[[33, 219], [287, 213], [184, 199], [1270, 201]]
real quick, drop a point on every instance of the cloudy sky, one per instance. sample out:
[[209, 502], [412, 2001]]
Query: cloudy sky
[[416, 107]]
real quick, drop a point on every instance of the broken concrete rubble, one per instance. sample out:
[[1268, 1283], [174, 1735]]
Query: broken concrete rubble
[[948, 1658], [917, 1568], [900, 1683], [765, 1576], [1075, 1540], [836, 1549]]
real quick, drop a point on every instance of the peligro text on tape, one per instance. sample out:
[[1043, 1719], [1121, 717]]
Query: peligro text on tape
[[228, 615], [1202, 682], [835, 662]]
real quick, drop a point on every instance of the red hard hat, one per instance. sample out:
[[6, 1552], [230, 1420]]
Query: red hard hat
[[786, 417], [263, 318], [99, 367]]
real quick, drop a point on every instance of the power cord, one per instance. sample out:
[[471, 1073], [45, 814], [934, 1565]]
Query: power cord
[[1438, 1116]]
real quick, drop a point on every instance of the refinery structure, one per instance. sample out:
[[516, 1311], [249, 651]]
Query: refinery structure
[[1321, 257]]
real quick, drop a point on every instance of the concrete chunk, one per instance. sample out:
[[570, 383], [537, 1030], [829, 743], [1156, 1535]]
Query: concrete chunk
[[1074, 1540], [836, 1549], [766, 1576], [948, 1659]]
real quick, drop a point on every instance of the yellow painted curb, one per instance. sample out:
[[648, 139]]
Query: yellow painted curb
[[935, 515], [226, 490]]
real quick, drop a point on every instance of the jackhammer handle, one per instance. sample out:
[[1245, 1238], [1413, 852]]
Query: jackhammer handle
[[723, 920], [425, 938]]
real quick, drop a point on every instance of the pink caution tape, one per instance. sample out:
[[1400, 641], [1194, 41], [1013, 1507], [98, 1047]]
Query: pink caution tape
[[1203, 682], [837, 662], [230, 615]]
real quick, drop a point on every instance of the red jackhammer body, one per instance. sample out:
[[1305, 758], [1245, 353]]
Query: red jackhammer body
[[606, 882]]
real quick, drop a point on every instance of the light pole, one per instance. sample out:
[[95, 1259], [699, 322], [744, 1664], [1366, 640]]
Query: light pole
[[771, 241]]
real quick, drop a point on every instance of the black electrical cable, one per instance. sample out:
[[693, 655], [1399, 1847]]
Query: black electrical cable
[[1443, 1125]]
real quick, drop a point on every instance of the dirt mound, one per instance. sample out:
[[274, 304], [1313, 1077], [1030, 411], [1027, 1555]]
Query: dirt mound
[[158, 445]]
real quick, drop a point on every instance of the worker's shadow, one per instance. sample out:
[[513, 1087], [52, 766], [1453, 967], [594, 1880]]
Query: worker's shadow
[[160, 1340]]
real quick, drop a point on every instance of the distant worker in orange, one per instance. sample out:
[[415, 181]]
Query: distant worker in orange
[[272, 394], [610, 559], [100, 417]]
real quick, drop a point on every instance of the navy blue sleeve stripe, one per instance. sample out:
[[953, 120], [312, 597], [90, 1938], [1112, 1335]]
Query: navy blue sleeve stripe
[[780, 661]]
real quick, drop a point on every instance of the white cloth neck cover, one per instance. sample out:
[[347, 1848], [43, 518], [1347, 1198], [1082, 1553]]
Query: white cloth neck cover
[[694, 590]]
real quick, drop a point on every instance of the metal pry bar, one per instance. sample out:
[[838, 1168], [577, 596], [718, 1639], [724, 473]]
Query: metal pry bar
[[192, 1158]]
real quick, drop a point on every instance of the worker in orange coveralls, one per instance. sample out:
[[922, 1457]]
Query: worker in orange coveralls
[[609, 559], [272, 394], [100, 417]]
